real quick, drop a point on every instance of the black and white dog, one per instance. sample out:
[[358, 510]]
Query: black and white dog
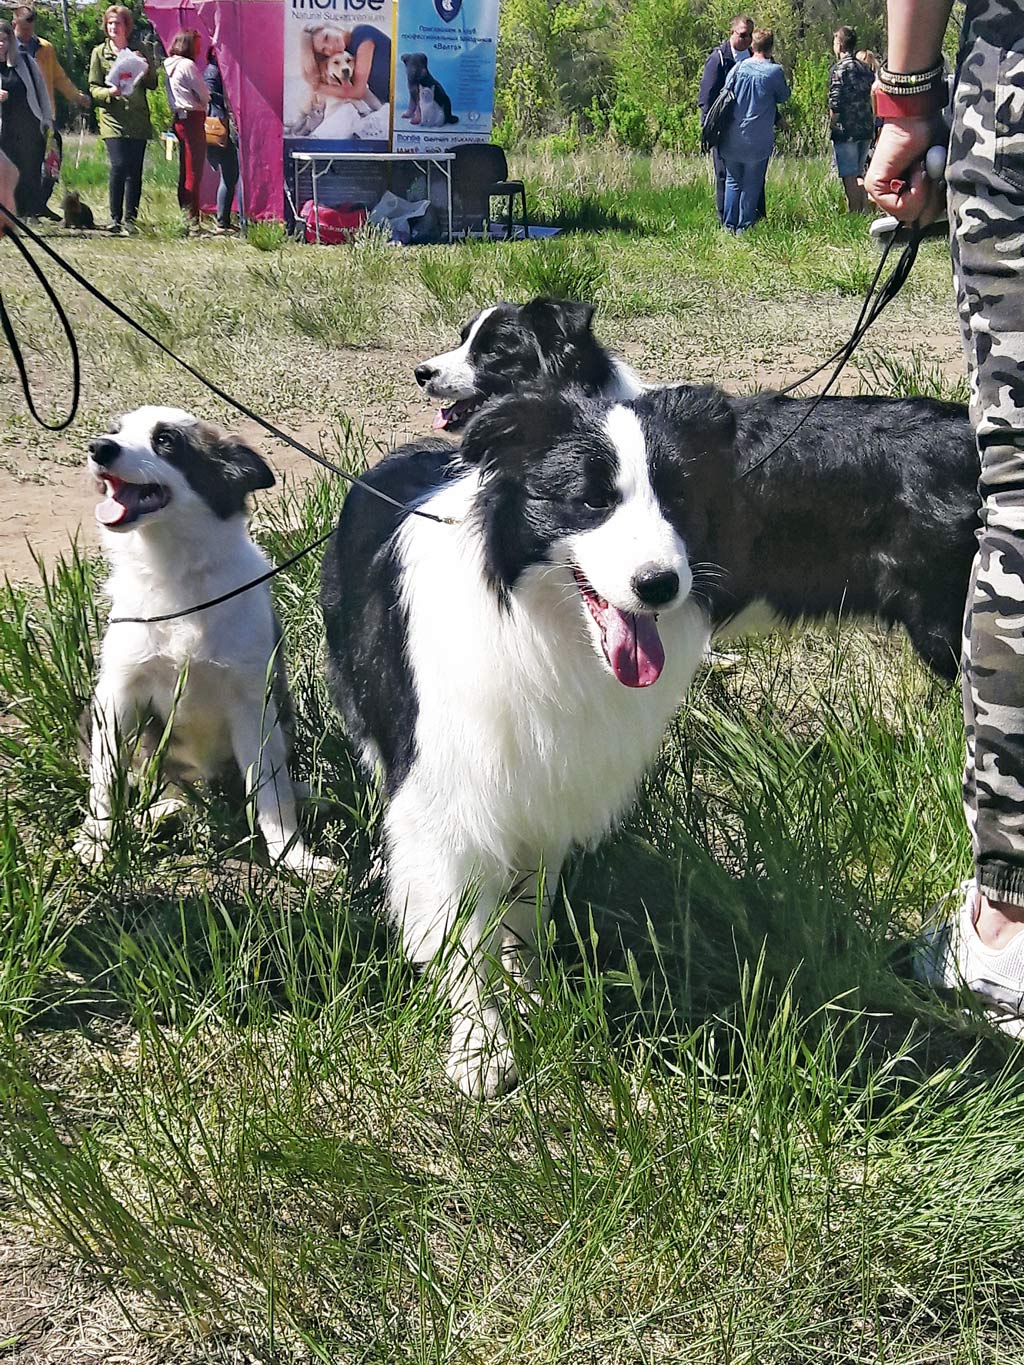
[[521, 348], [418, 75], [173, 522], [511, 676], [869, 510]]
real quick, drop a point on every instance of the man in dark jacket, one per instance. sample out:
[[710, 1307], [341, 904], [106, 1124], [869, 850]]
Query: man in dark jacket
[[721, 61]]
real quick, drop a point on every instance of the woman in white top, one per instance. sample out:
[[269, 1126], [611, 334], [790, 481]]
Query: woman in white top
[[188, 97]]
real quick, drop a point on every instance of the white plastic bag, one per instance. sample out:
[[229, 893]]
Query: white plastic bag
[[126, 72]]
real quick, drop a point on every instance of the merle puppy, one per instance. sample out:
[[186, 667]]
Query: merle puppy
[[417, 73], [520, 348]]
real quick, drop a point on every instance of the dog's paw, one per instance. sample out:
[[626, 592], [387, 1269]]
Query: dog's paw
[[90, 846], [167, 808], [298, 859], [483, 1068]]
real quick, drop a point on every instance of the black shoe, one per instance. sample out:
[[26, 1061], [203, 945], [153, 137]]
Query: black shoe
[[49, 214]]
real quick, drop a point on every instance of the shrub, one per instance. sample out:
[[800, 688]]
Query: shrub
[[561, 269], [631, 125]]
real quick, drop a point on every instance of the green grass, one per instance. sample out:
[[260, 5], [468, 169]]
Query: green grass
[[742, 1136]]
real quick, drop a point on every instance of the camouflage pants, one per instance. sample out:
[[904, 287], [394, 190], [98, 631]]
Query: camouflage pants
[[986, 211]]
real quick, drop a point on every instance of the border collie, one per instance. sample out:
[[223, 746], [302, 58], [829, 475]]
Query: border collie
[[173, 526], [514, 348], [510, 677], [870, 510]]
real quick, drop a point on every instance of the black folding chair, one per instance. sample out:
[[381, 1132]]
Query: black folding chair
[[480, 174]]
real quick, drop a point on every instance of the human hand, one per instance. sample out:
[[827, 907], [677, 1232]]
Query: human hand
[[83, 101], [3, 96], [896, 178]]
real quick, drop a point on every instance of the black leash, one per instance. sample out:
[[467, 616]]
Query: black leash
[[871, 309], [269, 427], [15, 345], [225, 596]]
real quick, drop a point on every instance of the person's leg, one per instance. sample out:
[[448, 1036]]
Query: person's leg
[[718, 162], [48, 182], [986, 207], [731, 207], [195, 136], [850, 169], [228, 183], [750, 192], [117, 156], [135, 158], [179, 133]]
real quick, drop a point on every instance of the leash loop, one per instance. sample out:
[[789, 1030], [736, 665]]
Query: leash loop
[[15, 345], [225, 397]]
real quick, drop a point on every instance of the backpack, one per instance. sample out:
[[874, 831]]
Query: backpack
[[715, 126]]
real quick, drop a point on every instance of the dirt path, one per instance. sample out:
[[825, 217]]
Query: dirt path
[[46, 503]]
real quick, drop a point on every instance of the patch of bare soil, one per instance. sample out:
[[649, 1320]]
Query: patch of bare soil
[[47, 503]]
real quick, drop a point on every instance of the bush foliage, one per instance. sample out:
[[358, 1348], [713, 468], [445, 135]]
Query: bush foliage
[[631, 69]]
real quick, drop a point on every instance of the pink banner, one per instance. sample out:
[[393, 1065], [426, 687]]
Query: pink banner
[[248, 36]]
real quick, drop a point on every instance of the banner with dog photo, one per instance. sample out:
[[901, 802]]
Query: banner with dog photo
[[444, 73], [337, 76]]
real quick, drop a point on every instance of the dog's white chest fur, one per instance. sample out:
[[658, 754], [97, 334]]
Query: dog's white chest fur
[[524, 741], [174, 530]]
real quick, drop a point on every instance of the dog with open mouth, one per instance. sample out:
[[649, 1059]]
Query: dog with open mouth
[[173, 522], [510, 677], [867, 512], [519, 348]]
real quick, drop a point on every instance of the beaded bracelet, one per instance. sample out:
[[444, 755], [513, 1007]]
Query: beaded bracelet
[[912, 82]]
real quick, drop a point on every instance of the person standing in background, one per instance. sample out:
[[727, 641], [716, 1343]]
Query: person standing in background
[[736, 48], [223, 157], [759, 86], [980, 946], [123, 120], [45, 56], [188, 97], [25, 117], [851, 116]]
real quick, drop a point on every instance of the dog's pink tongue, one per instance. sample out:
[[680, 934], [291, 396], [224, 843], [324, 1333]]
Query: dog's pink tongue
[[440, 419], [633, 647], [117, 505]]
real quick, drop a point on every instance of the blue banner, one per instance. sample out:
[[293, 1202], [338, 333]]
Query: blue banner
[[444, 73]]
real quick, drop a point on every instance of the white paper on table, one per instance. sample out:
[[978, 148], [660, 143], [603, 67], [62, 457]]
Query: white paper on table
[[128, 67]]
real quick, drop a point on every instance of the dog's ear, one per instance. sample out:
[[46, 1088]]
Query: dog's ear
[[557, 321], [246, 469], [220, 468], [513, 426]]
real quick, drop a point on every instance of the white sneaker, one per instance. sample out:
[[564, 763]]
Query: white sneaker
[[951, 955]]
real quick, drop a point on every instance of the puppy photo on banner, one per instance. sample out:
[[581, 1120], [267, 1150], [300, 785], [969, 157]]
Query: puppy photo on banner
[[444, 73]]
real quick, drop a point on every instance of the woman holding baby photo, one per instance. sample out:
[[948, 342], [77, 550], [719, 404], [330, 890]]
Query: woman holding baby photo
[[122, 115]]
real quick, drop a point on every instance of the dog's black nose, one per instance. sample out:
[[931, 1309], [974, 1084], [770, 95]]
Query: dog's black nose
[[424, 374], [104, 449], [655, 586]]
